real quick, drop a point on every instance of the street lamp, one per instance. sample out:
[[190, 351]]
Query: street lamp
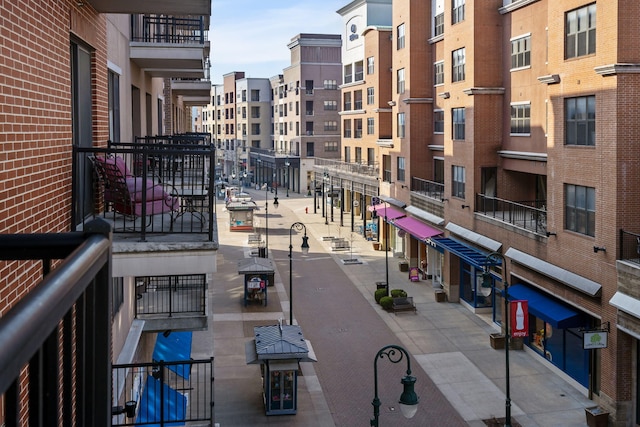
[[266, 216], [496, 258], [386, 245], [305, 250], [287, 164], [408, 398]]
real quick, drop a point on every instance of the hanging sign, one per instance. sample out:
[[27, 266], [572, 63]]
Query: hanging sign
[[519, 318], [595, 339]]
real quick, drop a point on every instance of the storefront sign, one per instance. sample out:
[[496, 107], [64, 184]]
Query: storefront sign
[[519, 319], [595, 339]]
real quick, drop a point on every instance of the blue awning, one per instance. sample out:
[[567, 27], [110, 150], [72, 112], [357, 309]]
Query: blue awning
[[546, 308], [152, 408], [175, 347], [465, 252]]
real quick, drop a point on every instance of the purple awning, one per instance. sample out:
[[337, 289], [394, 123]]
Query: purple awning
[[416, 228], [387, 211]]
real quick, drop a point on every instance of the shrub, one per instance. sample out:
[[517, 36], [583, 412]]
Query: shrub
[[379, 294], [386, 302], [398, 293]]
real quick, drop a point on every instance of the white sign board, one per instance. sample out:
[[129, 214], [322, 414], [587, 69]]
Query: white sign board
[[597, 339]]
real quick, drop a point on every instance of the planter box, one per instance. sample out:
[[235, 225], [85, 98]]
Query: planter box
[[376, 246], [404, 266], [441, 296], [596, 417], [497, 341]]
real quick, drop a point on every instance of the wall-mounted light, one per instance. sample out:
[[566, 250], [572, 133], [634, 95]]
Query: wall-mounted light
[[551, 233], [403, 186], [597, 249], [445, 95], [466, 206], [444, 200], [129, 409]]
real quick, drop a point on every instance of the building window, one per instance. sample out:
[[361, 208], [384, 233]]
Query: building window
[[401, 169], [580, 123], [357, 100], [310, 149], [580, 28], [457, 180], [114, 106], [438, 121], [331, 126], [346, 128], [370, 96], [521, 119], [359, 155], [401, 125], [309, 108], [438, 24], [580, 209], [255, 95], [255, 112], [348, 73], [330, 84], [346, 101], [458, 58], [438, 73], [308, 85], [359, 74], [371, 65], [521, 52], [357, 125], [386, 168], [331, 146], [400, 36], [371, 128], [457, 118], [400, 80], [457, 13], [331, 105]]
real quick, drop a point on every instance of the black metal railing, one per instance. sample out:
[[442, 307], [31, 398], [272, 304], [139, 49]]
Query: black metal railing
[[168, 29], [171, 295], [432, 189], [371, 170], [530, 215], [60, 330], [629, 246], [158, 186], [164, 393]]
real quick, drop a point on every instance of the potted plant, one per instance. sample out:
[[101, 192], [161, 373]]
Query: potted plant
[[596, 417], [497, 340]]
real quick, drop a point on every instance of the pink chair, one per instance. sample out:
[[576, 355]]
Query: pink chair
[[131, 195]]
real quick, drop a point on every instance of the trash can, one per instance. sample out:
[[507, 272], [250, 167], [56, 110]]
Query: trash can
[[404, 266], [381, 285], [596, 417], [262, 252]]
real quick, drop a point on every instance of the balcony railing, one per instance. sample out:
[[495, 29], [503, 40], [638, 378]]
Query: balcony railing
[[629, 246], [166, 188], [432, 189], [530, 215], [168, 29], [353, 168], [165, 393], [60, 331], [171, 295]]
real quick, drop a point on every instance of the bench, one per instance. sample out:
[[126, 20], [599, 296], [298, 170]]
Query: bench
[[339, 245], [403, 304]]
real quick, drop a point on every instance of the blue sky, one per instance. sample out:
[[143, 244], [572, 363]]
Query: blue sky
[[252, 35]]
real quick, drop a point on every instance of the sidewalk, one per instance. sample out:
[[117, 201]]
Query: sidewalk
[[449, 343]]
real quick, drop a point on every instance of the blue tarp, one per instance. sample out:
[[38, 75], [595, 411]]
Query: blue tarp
[[152, 408], [546, 308], [174, 348]]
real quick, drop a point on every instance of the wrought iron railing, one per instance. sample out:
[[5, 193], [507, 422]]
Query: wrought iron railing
[[160, 186], [171, 295], [629, 246], [432, 189], [371, 170], [168, 29], [164, 393], [530, 215], [60, 330]]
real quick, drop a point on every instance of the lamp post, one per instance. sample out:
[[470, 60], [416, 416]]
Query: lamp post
[[408, 398], [287, 164], [305, 250], [386, 245], [266, 216], [495, 258]]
